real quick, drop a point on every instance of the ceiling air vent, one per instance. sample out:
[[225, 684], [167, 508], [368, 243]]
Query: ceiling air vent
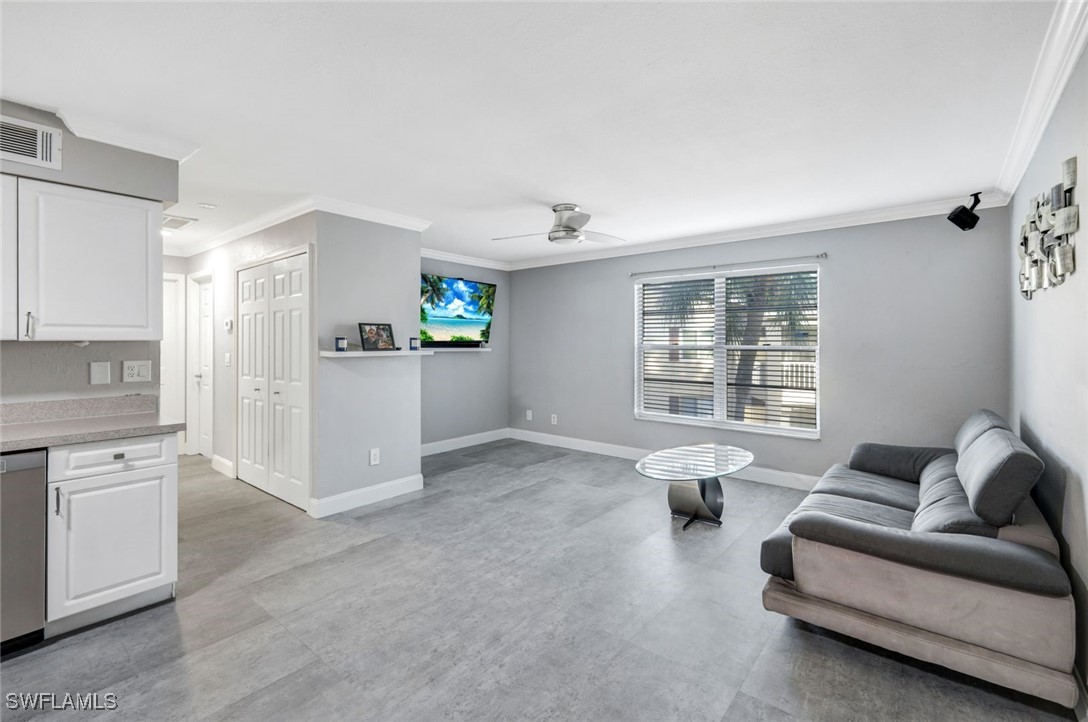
[[24, 142], [175, 223]]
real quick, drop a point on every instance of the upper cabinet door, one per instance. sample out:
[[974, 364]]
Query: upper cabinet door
[[9, 259], [90, 265]]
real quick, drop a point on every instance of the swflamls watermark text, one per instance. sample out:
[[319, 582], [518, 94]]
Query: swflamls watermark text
[[46, 701]]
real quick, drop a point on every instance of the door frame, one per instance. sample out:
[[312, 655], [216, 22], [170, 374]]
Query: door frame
[[192, 346], [181, 333], [311, 250]]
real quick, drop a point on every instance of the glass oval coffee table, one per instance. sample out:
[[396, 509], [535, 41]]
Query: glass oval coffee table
[[692, 473]]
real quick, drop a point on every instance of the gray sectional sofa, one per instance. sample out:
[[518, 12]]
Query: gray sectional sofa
[[939, 554]]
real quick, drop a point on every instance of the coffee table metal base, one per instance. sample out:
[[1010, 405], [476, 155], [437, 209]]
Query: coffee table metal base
[[697, 501]]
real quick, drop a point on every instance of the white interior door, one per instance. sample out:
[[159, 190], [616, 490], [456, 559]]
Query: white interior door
[[253, 347], [200, 413], [289, 381], [172, 350]]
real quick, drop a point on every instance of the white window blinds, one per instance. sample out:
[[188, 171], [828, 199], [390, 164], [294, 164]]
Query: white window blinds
[[732, 350]]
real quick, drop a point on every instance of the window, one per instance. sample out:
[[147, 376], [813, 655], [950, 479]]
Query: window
[[736, 350]]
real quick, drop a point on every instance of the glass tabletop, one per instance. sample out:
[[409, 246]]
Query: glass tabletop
[[688, 463]]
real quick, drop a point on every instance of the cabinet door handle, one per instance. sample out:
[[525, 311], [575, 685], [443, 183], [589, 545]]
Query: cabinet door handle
[[118, 457], [28, 324], [57, 511]]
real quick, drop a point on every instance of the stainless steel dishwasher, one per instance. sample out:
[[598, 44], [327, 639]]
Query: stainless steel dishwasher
[[22, 549]]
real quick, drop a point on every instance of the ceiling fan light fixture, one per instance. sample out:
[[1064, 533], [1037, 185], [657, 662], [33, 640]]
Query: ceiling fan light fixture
[[566, 237]]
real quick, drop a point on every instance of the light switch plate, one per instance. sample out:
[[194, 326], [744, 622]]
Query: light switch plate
[[100, 372]]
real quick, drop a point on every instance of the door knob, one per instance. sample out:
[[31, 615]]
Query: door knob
[[198, 376], [258, 389]]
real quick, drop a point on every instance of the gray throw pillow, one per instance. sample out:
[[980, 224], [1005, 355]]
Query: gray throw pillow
[[997, 471], [976, 425]]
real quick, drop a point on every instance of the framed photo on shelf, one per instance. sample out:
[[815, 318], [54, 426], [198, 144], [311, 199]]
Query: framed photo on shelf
[[377, 337]]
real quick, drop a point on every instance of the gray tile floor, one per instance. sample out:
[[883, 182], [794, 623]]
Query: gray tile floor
[[523, 582]]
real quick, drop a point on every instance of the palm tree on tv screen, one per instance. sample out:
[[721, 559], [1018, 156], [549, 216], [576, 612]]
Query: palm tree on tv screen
[[484, 298], [432, 292]]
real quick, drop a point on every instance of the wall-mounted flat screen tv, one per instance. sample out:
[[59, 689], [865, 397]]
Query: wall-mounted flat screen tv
[[454, 312]]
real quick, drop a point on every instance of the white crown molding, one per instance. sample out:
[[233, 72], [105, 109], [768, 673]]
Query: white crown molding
[[367, 213], [990, 199], [465, 260], [294, 209], [1062, 47], [105, 131]]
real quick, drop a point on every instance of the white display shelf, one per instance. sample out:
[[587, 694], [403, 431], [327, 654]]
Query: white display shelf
[[372, 354], [486, 349]]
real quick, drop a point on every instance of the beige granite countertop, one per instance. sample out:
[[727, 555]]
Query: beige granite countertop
[[40, 434]]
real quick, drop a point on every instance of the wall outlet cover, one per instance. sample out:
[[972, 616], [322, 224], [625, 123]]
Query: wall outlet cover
[[375, 457], [528, 414], [226, 358], [100, 372], [136, 371], [555, 419]]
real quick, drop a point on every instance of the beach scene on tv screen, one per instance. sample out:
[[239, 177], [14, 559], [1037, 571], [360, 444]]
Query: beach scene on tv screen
[[453, 309]]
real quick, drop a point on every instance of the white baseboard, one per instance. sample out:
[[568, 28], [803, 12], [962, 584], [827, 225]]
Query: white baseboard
[[367, 495], [460, 442], [758, 474], [804, 482], [223, 466], [568, 442]]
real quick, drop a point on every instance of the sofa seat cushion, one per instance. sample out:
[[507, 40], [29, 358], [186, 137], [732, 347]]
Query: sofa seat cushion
[[997, 471], [943, 505], [843, 481], [776, 554], [976, 425]]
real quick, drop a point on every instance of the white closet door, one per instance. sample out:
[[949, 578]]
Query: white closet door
[[253, 308], [289, 403]]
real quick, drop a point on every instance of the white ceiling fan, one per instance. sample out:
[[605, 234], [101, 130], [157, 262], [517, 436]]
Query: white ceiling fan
[[567, 229]]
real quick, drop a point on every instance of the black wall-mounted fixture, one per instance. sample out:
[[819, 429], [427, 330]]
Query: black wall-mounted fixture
[[966, 218]]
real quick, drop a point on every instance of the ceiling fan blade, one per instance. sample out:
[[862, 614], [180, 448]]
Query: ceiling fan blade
[[526, 235], [577, 220], [598, 237]]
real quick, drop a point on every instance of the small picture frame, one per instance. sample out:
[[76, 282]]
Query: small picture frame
[[377, 337], [341, 343], [413, 344]]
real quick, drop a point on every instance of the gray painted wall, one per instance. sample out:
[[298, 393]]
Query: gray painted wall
[[175, 264], [469, 393], [223, 262], [1049, 354], [90, 164], [914, 326], [366, 272], [42, 370]]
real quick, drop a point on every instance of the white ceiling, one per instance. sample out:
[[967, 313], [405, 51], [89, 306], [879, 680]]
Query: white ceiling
[[664, 121]]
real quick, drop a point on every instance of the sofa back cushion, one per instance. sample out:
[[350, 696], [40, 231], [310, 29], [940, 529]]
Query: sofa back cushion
[[997, 471], [976, 425], [943, 505]]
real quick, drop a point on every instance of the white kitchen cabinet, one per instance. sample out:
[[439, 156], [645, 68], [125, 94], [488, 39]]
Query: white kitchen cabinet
[[110, 536], [9, 259], [90, 265]]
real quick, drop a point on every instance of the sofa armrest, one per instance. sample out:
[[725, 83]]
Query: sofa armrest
[[984, 559], [900, 462]]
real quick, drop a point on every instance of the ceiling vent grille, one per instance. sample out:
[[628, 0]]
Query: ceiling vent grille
[[24, 142], [175, 223]]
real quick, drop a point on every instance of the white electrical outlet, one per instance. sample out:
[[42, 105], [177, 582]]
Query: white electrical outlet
[[135, 371], [100, 372], [226, 358], [375, 457], [555, 419], [528, 414]]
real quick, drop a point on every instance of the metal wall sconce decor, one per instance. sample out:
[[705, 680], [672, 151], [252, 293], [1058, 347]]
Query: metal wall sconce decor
[[1046, 238]]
